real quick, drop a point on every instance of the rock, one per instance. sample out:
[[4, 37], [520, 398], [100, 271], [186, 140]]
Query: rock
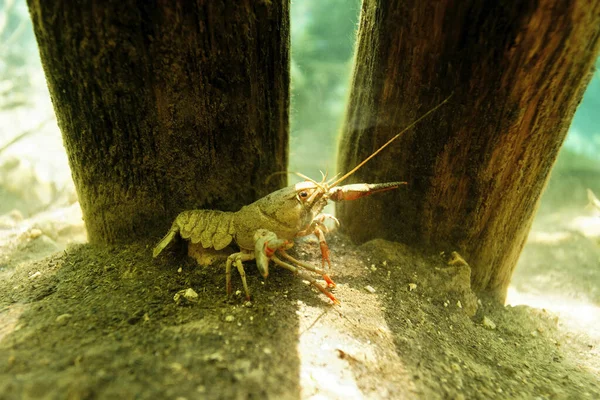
[[37, 274], [488, 323], [188, 294], [456, 259], [35, 233], [63, 318], [370, 289]]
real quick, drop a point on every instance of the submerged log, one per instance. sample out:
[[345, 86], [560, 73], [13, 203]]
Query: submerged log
[[476, 168]]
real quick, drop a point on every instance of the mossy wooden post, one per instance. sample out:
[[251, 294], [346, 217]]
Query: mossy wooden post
[[167, 105], [476, 168]]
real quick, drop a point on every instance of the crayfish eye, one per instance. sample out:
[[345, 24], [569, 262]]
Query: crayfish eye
[[302, 196]]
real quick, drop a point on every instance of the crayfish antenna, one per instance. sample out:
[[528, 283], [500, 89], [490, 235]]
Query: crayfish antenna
[[275, 174], [323, 177], [333, 178], [301, 175], [353, 170]]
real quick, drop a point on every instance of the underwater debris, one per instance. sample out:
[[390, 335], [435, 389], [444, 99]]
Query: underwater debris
[[188, 294]]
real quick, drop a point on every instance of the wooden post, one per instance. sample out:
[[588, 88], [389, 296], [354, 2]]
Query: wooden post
[[166, 105], [476, 168]]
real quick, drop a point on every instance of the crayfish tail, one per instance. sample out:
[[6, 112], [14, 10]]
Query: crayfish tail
[[164, 242]]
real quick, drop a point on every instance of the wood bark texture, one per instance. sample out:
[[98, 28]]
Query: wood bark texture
[[166, 105], [477, 166]]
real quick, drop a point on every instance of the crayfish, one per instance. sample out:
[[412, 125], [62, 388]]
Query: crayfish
[[265, 229]]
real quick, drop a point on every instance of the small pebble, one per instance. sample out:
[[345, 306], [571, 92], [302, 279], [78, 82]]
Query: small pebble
[[187, 294], [370, 289], [180, 269], [229, 318], [190, 295], [488, 323], [176, 367], [35, 275], [216, 356], [61, 319], [35, 233], [456, 259]]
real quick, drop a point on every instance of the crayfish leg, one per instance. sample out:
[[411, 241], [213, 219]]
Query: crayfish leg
[[324, 248], [318, 228], [307, 266], [309, 278], [237, 259]]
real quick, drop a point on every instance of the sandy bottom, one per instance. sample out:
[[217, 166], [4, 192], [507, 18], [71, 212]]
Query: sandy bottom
[[101, 322]]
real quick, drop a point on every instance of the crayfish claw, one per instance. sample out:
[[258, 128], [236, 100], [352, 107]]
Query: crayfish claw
[[330, 283], [266, 243], [358, 190], [305, 276]]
